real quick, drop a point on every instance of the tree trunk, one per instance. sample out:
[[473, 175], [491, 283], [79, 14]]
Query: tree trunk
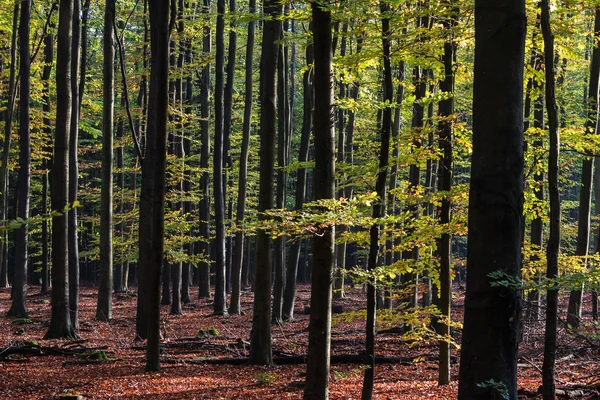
[[319, 329], [74, 170], [289, 296], [219, 304], [378, 207], [156, 154], [48, 61], [282, 178], [340, 250], [204, 268], [6, 147], [493, 314], [19, 290], [236, 270], [587, 172], [260, 338], [104, 307], [228, 161], [548, 385], [445, 172], [60, 320]]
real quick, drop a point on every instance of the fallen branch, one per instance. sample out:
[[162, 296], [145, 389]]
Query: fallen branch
[[34, 349]]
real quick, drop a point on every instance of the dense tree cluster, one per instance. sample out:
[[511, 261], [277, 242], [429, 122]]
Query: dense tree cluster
[[379, 143]]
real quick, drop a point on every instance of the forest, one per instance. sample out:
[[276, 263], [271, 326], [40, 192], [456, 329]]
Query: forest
[[289, 199]]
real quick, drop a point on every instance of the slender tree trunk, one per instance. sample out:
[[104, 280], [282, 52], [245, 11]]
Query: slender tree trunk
[[260, 338], [156, 153], [236, 272], [227, 112], [587, 172], [319, 329], [378, 207], [145, 223], [119, 284], [338, 280], [282, 178], [60, 320], [178, 138], [19, 290], [6, 147], [493, 314], [219, 304], [445, 172], [104, 308], [48, 61], [186, 48], [204, 268], [548, 385], [74, 170], [289, 295]]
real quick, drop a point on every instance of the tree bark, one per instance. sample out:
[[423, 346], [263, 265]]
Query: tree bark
[[204, 268], [48, 61], [219, 302], [104, 307], [378, 206], [260, 337], [282, 177], [8, 119], [236, 270], [493, 314], [74, 170], [19, 290], [548, 384], [445, 175], [156, 154], [60, 320], [319, 329]]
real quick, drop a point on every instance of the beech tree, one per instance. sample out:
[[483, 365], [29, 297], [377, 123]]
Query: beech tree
[[104, 309], [60, 320], [493, 314], [19, 291], [260, 337], [319, 330]]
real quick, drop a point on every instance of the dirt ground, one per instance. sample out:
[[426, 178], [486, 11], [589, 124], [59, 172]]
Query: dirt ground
[[122, 377]]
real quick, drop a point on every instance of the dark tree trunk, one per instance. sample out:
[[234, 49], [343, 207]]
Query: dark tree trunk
[[104, 308], [282, 178], [119, 284], [236, 270], [74, 170], [145, 223], [204, 268], [340, 250], [289, 295], [48, 61], [493, 314], [219, 304], [585, 199], [185, 149], [156, 154], [548, 390], [227, 115], [60, 320], [445, 172], [319, 329], [378, 207], [8, 119], [260, 338], [19, 290]]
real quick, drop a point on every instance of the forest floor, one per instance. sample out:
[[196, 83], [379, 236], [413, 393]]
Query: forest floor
[[48, 375]]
